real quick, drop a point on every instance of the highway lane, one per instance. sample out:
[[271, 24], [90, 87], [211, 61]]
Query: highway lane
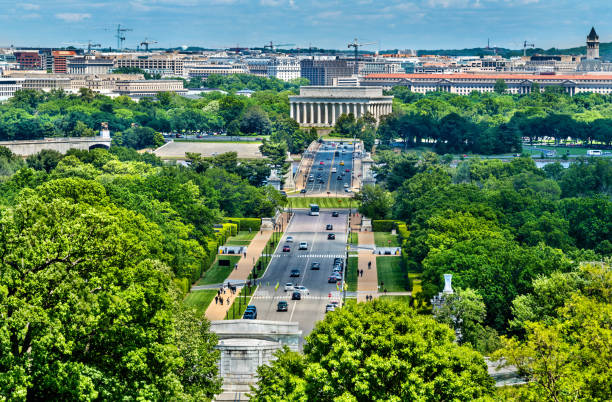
[[323, 180], [311, 308]]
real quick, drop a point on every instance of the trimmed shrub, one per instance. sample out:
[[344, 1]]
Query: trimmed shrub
[[384, 225], [246, 223], [403, 232], [182, 284]]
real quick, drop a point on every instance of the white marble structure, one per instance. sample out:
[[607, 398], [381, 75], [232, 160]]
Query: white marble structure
[[320, 106]]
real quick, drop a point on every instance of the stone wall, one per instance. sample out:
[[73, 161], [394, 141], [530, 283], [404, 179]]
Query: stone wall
[[62, 145]]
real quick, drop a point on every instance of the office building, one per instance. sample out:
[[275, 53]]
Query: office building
[[165, 65], [28, 60], [8, 87], [464, 84], [321, 72], [60, 60], [90, 65], [284, 68], [148, 88]]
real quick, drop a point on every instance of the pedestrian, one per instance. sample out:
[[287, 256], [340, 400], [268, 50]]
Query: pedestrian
[[236, 266], [385, 290], [245, 254], [250, 230], [362, 273], [216, 299], [228, 301], [369, 264]]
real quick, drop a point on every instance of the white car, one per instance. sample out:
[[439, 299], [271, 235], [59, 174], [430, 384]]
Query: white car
[[288, 287], [303, 246], [301, 289], [289, 239]]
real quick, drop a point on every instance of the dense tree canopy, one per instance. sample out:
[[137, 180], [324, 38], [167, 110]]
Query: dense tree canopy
[[376, 351]]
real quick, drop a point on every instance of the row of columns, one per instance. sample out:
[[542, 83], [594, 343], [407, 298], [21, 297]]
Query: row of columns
[[326, 113]]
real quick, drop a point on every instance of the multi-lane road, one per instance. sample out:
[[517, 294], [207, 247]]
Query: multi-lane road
[[311, 308], [322, 178]]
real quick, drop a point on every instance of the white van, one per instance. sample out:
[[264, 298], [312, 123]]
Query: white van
[[334, 170], [594, 152]]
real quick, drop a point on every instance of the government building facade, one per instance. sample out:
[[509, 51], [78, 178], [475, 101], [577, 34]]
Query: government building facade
[[320, 106]]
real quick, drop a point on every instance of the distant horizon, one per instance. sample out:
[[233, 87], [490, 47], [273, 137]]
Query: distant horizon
[[391, 24]]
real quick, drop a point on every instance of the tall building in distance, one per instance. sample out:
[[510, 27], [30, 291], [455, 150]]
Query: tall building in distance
[[592, 45], [60, 60], [323, 71]]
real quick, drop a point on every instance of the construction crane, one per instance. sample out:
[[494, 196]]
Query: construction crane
[[356, 45], [120, 35], [272, 46], [525, 45], [146, 43]]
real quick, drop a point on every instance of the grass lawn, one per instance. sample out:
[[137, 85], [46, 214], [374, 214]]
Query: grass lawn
[[390, 272], [351, 274], [237, 308], [382, 239], [217, 273], [243, 238], [322, 202], [402, 299], [354, 239], [200, 299]]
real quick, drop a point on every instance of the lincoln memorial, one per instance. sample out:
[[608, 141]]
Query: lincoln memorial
[[321, 106]]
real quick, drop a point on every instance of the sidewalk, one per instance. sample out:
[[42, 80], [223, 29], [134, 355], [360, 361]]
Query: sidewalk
[[245, 265], [367, 285]]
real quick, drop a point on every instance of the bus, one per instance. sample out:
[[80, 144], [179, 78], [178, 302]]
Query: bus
[[314, 210]]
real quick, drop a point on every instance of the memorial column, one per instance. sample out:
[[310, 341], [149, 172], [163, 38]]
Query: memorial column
[[311, 118], [297, 112], [333, 113]]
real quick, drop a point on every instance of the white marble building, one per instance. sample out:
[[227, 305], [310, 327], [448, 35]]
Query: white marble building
[[320, 106]]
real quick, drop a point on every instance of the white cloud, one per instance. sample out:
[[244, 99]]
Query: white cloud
[[73, 17], [29, 6]]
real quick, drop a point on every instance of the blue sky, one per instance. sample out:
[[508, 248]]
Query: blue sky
[[416, 24]]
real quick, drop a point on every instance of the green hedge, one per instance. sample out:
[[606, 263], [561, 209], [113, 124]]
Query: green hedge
[[183, 284], [403, 232], [245, 224], [384, 225]]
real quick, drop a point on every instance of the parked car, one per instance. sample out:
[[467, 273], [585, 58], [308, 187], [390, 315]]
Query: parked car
[[303, 246], [288, 286], [331, 236], [329, 226], [332, 279], [329, 307], [296, 296], [294, 273], [335, 214], [249, 315], [282, 306], [303, 191], [315, 266], [286, 249]]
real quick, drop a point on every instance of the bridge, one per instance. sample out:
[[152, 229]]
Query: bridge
[[62, 144]]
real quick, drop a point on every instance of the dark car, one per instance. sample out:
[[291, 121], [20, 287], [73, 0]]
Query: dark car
[[282, 306], [294, 273], [331, 236], [332, 279], [286, 249], [315, 265], [339, 177], [296, 296], [303, 191], [329, 226], [335, 214]]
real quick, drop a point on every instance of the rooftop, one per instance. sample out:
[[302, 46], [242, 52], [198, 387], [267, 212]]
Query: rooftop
[[584, 77]]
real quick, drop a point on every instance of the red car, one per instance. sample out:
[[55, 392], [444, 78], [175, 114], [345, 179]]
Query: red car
[[321, 163], [347, 170], [286, 249]]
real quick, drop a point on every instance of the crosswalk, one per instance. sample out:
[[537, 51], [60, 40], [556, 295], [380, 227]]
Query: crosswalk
[[278, 255]]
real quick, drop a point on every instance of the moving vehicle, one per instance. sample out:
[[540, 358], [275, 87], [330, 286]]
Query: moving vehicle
[[314, 210], [321, 163], [286, 248], [345, 185], [332, 279], [288, 286], [594, 152], [289, 239], [282, 306], [334, 170], [301, 289], [329, 307], [337, 153], [294, 273], [329, 226], [341, 163], [303, 191], [303, 246], [339, 177], [315, 265], [347, 170], [335, 214], [296, 296], [331, 236], [250, 313], [310, 179]]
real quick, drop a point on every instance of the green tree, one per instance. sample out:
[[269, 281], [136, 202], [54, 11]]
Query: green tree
[[46, 160], [375, 202], [500, 86], [376, 351]]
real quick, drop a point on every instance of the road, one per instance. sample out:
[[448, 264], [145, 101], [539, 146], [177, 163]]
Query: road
[[323, 180], [311, 308]]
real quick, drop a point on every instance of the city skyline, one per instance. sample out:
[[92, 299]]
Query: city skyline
[[421, 24]]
